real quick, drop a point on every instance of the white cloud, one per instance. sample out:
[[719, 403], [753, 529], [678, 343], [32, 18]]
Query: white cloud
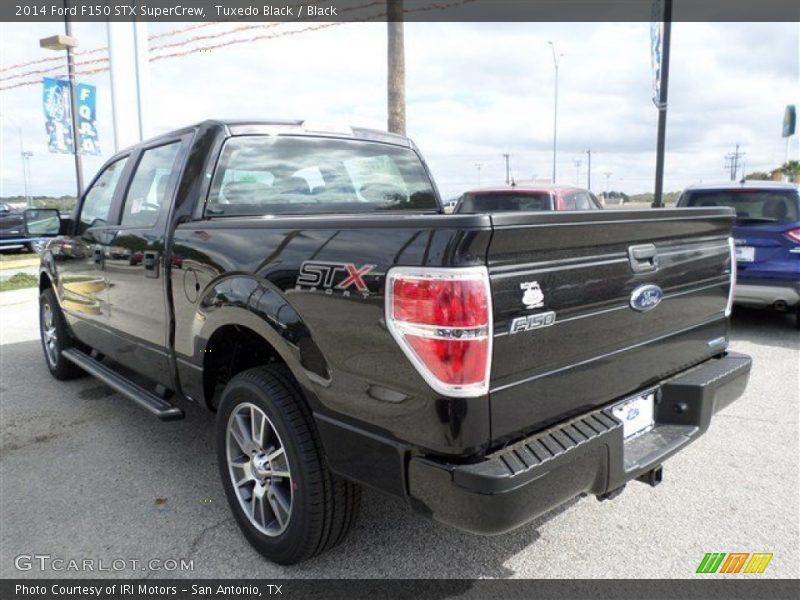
[[475, 90]]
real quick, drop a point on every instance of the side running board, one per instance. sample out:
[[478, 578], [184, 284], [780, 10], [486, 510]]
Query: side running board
[[144, 398]]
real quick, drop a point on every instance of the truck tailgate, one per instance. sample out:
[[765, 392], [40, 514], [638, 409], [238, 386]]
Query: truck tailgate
[[585, 267]]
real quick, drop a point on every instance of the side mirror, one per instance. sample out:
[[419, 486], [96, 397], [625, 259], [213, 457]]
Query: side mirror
[[42, 222]]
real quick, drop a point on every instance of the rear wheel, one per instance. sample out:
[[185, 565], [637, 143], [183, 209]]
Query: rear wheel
[[55, 337], [288, 504]]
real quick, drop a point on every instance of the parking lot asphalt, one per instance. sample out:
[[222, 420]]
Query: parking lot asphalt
[[86, 474]]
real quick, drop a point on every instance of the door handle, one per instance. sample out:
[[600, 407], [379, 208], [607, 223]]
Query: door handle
[[97, 254], [151, 264], [643, 258]]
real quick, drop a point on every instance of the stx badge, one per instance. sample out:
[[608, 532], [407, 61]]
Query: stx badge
[[330, 276], [532, 297]]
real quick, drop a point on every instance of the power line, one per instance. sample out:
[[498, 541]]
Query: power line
[[376, 17], [51, 59], [105, 67], [194, 39]]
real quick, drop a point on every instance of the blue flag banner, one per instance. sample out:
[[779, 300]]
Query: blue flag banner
[[656, 31], [58, 118], [87, 118]]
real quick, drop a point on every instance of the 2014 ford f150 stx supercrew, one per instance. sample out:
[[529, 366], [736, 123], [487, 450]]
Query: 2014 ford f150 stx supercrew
[[307, 288]]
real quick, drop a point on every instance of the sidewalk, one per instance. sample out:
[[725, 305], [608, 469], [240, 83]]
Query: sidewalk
[[16, 297]]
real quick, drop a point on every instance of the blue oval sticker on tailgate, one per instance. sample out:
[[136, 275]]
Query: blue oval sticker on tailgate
[[646, 297]]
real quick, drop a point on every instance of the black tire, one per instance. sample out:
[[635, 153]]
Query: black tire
[[323, 506], [59, 367]]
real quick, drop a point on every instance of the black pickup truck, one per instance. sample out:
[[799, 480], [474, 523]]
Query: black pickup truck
[[306, 287]]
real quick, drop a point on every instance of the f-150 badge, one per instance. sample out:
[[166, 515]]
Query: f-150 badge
[[532, 297]]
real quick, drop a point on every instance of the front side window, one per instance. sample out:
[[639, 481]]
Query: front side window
[[150, 186], [97, 201], [260, 175]]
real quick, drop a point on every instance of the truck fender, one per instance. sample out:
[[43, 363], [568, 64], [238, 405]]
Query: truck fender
[[258, 305]]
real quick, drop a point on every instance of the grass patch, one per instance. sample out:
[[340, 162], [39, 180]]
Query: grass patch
[[19, 281], [18, 261]]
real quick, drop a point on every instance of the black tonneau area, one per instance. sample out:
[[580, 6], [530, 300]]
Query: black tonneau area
[[585, 266]]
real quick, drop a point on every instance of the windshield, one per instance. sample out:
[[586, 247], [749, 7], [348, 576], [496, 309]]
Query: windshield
[[261, 175], [504, 202], [751, 206]]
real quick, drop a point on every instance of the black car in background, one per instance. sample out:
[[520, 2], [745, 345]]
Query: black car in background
[[13, 233]]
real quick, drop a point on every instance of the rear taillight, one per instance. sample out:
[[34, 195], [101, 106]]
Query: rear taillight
[[442, 319], [734, 266], [793, 234]]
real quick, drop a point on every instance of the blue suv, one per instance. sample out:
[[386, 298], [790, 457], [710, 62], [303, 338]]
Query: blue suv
[[767, 238]]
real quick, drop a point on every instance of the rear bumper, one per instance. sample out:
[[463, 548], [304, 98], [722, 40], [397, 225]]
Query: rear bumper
[[585, 455], [765, 292]]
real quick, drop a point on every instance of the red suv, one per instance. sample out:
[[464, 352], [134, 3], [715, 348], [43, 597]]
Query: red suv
[[511, 198]]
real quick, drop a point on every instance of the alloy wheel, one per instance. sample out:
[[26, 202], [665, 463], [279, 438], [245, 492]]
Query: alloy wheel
[[49, 334], [259, 469]]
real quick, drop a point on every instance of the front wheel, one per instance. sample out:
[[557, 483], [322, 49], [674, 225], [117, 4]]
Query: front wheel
[[55, 337], [37, 246], [287, 503]]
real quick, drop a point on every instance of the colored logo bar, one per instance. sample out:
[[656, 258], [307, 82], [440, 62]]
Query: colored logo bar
[[734, 562]]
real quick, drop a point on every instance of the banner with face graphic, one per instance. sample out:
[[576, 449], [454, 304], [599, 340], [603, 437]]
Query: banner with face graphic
[[58, 118]]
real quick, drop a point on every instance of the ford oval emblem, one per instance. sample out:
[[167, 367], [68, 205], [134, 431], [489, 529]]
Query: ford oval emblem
[[646, 297]]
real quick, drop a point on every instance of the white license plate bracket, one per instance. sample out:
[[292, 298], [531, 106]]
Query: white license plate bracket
[[637, 414]]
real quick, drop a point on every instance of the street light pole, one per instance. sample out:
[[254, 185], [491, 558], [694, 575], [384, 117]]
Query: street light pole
[[67, 42], [556, 62], [73, 108], [479, 166], [658, 197], [26, 175], [589, 172]]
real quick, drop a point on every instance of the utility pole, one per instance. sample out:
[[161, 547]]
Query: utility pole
[[589, 170], [608, 175], [479, 166], [578, 164], [556, 62], [396, 71], [658, 198], [732, 162], [507, 156]]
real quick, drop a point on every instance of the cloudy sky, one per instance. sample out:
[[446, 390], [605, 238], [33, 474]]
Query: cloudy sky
[[474, 92]]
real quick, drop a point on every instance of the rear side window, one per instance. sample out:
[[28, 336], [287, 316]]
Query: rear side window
[[504, 202], [260, 175], [751, 206], [97, 201], [149, 187]]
